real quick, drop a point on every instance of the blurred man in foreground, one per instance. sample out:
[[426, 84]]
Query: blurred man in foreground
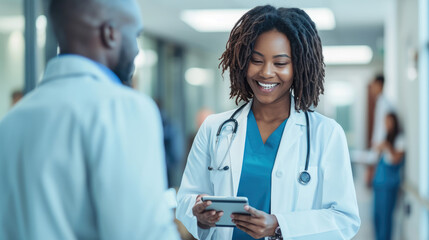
[[81, 157]]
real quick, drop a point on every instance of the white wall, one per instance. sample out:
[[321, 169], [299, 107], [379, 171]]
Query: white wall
[[408, 102], [11, 68], [357, 78]]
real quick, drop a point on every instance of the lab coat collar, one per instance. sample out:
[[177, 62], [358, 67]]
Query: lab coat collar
[[295, 116], [293, 131], [74, 65]]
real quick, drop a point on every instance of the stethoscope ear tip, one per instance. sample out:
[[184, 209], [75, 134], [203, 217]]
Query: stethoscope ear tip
[[210, 168]]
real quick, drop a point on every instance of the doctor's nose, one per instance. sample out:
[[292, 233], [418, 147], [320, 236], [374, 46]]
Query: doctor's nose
[[267, 71]]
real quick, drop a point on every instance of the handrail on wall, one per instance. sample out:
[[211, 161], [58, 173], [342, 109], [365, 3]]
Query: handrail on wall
[[409, 188]]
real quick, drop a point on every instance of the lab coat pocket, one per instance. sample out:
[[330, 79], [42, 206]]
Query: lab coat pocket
[[307, 193]]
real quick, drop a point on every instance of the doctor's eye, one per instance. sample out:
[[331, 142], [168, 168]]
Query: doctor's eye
[[282, 64], [255, 61]]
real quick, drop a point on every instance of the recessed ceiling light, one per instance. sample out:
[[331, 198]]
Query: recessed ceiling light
[[357, 54], [223, 20]]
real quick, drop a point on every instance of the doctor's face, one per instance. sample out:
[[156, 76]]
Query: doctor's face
[[270, 72]]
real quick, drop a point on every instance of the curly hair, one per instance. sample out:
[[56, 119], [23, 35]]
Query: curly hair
[[306, 47], [395, 131]]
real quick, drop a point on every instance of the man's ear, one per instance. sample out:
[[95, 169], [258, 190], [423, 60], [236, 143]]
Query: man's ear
[[110, 35]]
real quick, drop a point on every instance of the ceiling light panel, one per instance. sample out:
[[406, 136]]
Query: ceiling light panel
[[341, 55], [223, 20]]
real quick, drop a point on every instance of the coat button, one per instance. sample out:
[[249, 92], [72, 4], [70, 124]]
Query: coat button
[[279, 174]]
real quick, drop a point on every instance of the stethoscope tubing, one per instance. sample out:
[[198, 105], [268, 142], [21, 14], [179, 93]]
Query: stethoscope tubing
[[304, 176]]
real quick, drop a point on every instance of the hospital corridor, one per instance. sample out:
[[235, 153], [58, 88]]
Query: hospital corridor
[[226, 119]]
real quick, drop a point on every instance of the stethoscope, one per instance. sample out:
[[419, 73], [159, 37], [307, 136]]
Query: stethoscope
[[304, 176]]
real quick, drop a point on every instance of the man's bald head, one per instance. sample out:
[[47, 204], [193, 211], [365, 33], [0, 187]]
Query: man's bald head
[[97, 29], [91, 12]]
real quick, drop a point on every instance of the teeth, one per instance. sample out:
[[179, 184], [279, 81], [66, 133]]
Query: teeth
[[267, 86]]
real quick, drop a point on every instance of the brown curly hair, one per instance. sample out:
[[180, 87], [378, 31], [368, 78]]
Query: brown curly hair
[[307, 58]]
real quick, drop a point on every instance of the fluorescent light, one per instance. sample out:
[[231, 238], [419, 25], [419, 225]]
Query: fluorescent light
[[199, 76], [16, 42], [146, 58], [322, 17], [41, 23], [223, 20], [10, 24], [340, 93], [216, 20], [358, 54]]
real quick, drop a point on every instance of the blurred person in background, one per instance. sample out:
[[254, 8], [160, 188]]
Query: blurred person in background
[[16, 96], [174, 148], [275, 61], [387, 177], [81, 156], [382, 108]]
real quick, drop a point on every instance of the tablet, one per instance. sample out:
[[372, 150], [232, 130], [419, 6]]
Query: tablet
[[228, 205]]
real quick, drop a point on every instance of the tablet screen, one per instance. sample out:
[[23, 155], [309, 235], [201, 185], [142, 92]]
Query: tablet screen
[[228, 205]]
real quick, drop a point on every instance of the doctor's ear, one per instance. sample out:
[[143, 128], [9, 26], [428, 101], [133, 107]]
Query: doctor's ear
[[110, 36]]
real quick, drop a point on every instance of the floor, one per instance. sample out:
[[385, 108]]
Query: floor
[[364, 199]]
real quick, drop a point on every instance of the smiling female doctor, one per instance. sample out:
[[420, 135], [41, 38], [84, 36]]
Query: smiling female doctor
[[290, 162]]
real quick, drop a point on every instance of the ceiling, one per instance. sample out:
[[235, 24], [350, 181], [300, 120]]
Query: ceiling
[[357, 22]]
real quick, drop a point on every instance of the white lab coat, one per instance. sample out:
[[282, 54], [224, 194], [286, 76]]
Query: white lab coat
[[82, 157], [382, 108], [325, 208]]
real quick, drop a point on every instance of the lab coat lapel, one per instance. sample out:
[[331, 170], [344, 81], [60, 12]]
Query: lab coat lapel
[[292, 133], [237, 147]]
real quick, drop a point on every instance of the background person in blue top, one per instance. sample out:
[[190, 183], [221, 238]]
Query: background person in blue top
[[387, 178], [275, 63]]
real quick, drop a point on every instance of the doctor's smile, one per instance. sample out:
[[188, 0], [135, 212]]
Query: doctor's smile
[[253, 172]]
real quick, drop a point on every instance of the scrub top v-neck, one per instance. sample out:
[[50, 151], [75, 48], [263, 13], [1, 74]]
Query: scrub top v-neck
[[258, 163]]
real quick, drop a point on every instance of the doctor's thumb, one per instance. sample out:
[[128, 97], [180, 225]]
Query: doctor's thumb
[[252, 210]]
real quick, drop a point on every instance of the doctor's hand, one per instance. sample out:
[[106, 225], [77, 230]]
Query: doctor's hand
[[258, 225], [206, 219]]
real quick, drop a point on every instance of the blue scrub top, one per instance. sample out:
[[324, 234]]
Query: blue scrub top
[[258, 163], [387, 175]]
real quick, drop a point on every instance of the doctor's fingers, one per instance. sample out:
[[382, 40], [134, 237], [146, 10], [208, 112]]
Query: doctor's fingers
[[253, 230], [248, 220], [255, 212], [210, 215], [200, 207], [198, 198], [215, 218], [242, 217], [208, 218]]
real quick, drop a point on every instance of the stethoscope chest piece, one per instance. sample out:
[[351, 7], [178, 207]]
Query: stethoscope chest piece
[[304, 178]]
